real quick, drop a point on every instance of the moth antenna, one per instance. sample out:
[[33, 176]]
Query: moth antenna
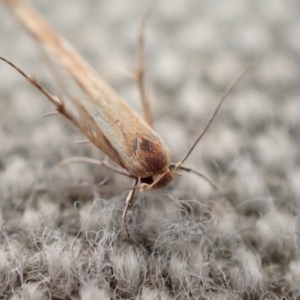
[[140, 71], [82, 159], [223, 97], [54, 100], [203, 176], [83, 123], [53, 71]]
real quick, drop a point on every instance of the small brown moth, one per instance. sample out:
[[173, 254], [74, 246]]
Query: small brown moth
[[104, 117]]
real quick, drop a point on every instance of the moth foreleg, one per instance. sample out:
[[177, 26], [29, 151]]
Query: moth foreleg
[[104, 163], [129, 200]]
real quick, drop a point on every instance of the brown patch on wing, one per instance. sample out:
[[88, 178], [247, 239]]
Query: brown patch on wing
[[151, 154], [146, 145]]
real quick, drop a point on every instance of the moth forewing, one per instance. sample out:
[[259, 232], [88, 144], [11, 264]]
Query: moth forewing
[[102, 116]]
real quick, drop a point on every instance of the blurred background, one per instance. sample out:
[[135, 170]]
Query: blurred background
[[194, 50]]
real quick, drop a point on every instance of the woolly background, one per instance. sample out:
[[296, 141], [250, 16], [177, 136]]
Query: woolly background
[[61, 233]]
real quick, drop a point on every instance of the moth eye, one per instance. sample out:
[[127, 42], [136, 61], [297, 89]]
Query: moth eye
[[147, 180]]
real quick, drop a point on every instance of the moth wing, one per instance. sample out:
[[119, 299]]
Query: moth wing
[[102, 115]]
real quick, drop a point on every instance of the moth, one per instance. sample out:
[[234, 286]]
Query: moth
[[103, 116]]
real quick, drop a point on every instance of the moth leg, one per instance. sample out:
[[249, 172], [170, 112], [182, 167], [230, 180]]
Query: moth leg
[[82, 142], [49, 114], [203, 176], [82, 159], [140, 71], [129, 200]]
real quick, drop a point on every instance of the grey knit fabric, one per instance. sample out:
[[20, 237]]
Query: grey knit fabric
[[61, 234]]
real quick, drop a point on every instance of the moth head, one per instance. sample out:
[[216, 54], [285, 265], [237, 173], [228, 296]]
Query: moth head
[[157, 181]]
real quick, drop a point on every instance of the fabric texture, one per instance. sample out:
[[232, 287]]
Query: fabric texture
[[62, 235]]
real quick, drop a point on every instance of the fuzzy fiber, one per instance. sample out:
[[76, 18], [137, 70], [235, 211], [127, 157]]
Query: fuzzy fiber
[[61, 232]]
